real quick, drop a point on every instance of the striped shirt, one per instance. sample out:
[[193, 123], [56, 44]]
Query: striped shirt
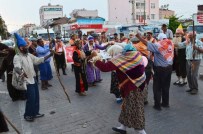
[[189, 50]]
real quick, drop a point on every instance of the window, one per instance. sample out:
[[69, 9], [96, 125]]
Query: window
[[152, 16], [140, 16], [152, 5], [140, 5]]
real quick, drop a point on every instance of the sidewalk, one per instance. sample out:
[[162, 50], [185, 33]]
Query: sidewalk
[[98, 112]]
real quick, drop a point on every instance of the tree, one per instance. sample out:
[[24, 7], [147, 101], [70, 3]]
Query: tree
[[3, 29], [173, 23]]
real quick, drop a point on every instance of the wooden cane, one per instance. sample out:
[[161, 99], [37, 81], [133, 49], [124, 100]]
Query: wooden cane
[[57, 71], [18, 132]]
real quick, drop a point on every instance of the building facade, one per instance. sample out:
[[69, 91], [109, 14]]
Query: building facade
[[49, 12], [26, 30], [165, 13], [133, 11]]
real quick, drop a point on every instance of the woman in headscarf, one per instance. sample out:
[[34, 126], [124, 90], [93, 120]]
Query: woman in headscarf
[[91, 70], [113, 51], [79, 69], [130, 71]]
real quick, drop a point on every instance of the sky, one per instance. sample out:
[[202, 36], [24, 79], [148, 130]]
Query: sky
[[19, 12]]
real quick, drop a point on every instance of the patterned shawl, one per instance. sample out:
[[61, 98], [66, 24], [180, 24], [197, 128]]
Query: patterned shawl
[[166, 48], [129, 62]]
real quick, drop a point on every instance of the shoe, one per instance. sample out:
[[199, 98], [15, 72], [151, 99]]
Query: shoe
[[182, 83], [194, 91], [119, 130], [176, 83], [99, 80], [49, 85], [165, 106], [189, 90], [29, 118], [44, 88], [119, 100], [157, 108], [82, 94], [39, 115], [146, 102], [64, 73]]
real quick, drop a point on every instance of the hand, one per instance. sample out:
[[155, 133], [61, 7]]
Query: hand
[[24, 75], [93, 54], [195, 47]]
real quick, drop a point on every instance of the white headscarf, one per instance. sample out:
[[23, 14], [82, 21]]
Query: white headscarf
[[114, 50]]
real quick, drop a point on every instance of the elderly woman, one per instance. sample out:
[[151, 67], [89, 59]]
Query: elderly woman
[[91, 70], [130, 71], [79, 69], [113, 51]]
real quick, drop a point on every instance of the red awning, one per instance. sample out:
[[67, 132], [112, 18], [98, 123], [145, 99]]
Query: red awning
[[101, 30]]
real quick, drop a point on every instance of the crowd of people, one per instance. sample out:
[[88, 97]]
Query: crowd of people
[[133, 61]]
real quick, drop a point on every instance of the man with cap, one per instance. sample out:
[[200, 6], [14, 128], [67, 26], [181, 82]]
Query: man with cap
[[180, 58], [23, 65], [45, 67], [193, 56], [163, 60], [59, 55], [32, 50], [149, 36], [131, 35]]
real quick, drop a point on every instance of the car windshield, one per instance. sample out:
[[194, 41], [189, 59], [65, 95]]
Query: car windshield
[[198, 29]]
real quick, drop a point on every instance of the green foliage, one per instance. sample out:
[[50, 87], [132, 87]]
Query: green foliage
[[173, 23], [3, 29]]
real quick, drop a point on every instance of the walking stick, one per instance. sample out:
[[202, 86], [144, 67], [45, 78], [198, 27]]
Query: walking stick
[[57, 71], [18, 132]]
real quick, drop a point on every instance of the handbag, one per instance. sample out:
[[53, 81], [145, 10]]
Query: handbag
[[18, 81]]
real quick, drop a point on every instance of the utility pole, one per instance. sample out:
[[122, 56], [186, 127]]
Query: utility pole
[[133, 11], [144, 11]]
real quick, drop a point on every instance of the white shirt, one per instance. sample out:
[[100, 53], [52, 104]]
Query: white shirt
[[26, 62]]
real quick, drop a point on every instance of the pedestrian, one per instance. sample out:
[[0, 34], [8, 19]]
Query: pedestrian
[[129, 67], [3, 124], [180, 58], [7, 66], [114, 51], [166, 31], [163, 59], [80, 69], [45, 67], [59, 55], [93, 73], [142, 48], [2, 56], [115, 38], [194, 55], [32, 50], [23, 65]]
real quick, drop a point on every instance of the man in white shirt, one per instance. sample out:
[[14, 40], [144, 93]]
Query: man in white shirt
[[167, 32], [23, 65]]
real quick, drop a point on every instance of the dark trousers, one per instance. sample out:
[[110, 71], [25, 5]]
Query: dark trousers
[[79, 74], [32, 103], [180, 68], [60, 62], [161, 84], [3, 124]]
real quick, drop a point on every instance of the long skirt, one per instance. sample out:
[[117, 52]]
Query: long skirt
[[90, 73], [114, 85], [45, 71], [132, 115]]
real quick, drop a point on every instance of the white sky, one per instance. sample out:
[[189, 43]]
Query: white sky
[[19, 12]]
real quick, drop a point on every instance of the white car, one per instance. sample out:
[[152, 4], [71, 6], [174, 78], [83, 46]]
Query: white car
[[9, 43]]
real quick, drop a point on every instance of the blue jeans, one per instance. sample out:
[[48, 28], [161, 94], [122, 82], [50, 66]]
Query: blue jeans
[[32, 103]]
